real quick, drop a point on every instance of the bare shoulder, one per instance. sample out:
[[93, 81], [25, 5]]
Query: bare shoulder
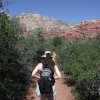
[[57, 72], [55, 67], [40, 65]]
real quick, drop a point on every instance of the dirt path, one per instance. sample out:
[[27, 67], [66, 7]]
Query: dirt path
[[63, 91]]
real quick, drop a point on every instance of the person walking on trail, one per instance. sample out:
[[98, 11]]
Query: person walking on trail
[[46, 60]]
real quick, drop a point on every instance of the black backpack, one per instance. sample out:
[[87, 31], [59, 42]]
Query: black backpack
[[46, 81]]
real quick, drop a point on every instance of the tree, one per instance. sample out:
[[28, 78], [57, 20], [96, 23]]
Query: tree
[[3, 4], [14, 78]]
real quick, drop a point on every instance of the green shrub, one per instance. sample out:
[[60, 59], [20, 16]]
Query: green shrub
[[81, 61], [14, 75], [57, 41]]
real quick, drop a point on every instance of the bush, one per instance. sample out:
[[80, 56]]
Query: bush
[[14, 79], [57, 41], [80, 60]]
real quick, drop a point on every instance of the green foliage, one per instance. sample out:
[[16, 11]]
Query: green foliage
[[57, 41], [18, 56], [81, 61], [32, 48], [14, 79], [38, 32], [29, 47]]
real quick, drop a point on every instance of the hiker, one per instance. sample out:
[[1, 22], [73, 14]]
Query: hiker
[[45, 59]]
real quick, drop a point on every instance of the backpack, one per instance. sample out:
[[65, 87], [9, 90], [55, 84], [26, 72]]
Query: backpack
[[46, 81]]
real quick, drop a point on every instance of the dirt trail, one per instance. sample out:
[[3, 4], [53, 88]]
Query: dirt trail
[[63, 91]]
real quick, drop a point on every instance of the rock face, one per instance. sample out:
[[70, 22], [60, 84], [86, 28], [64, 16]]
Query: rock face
[[83, 30], [52, 27]]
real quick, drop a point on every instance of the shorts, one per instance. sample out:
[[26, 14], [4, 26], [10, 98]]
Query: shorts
[[39, 94]]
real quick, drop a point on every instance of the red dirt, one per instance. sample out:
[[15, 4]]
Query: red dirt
[[63, 91]]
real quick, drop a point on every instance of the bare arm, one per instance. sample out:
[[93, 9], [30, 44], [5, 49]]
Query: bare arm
[[57, 72], [36, 70]]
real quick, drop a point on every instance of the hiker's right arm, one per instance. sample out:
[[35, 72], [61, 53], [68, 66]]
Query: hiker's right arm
[[35, 71], [57, 72]]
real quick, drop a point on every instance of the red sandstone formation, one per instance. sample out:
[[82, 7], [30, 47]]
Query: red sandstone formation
[[52, 27]]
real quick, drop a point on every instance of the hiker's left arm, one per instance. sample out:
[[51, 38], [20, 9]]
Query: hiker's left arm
[[57, 72]]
